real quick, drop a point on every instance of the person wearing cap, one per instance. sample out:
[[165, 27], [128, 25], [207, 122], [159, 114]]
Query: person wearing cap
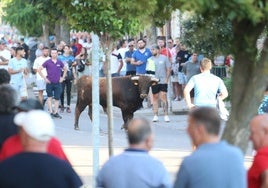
[[162, 69], [35, 167], [130, 69], [13, 145], [5, 55], [8, 98], [18, 69]]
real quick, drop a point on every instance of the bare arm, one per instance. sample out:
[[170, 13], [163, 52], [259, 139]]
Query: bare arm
[[133, 62], [223, 94], [4, 61], [64, 74], [120, 65], [264, 179], [187, 96], [39, 71]]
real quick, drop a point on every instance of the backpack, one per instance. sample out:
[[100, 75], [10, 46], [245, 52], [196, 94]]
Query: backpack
[[81, 66]]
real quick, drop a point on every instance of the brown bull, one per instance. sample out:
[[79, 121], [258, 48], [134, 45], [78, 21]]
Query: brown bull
[[128, 95]]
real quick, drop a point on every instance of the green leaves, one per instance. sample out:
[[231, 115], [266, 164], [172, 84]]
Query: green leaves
[[210, 36]]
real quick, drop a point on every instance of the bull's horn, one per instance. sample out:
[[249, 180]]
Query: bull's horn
[[135, 78], [154, 79]]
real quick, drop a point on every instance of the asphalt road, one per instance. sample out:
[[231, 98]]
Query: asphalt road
[[171, 141], [171, 144]]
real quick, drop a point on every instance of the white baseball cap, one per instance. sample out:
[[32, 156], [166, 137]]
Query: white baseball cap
[[37, 123]]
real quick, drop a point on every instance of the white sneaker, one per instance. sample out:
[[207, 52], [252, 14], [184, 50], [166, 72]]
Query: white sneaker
[[155, 118], [166, 119]]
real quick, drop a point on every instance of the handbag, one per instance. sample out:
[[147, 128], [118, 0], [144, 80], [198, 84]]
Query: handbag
[[223, 112]]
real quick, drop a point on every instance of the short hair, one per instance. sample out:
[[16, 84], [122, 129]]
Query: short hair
[[8, 96], [207, 116], [138, 130], [4, 76], [141, 39], [19, 49], [206, 64], [45, 48]]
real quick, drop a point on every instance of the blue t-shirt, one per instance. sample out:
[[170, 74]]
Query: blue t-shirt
[[206, 86], [130, 67], [143, 57], [217, 165], [16, 65], [133, 169]]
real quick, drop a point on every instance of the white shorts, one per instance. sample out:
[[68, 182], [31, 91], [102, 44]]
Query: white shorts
[[21, 88], [181, 78], [40, 84], [174, 78]]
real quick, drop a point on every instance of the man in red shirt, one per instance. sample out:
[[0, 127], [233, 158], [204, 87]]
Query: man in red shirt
[[258, 172], [162, 45]]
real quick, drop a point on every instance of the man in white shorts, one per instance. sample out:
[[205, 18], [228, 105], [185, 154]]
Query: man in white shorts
[[40, 82]]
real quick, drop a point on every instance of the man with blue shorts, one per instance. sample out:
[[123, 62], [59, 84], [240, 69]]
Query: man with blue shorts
[[53, 79]]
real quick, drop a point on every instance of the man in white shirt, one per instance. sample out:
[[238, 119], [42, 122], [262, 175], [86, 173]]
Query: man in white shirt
[[122, 51], [40, 82], [5, 55]]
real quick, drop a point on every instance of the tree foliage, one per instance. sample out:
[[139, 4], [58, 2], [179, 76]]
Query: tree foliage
[[24, 16], [203, 35]]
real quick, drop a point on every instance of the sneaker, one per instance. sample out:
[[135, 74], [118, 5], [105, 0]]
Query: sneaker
[[61, 109], [52, 115], [68, 110], [57, 116], [166, 118], [155, 118]]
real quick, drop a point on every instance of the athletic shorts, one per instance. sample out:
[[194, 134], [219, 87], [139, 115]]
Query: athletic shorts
[[159, 87], [54, 88]]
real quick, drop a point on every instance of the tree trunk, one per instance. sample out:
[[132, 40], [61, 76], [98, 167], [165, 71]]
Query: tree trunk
[[45, 34], [57, 32], [65, 31], [249, 81]]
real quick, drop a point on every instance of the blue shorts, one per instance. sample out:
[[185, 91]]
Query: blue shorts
[[53, 89]]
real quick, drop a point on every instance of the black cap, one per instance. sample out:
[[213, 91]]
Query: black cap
[[29, 104]]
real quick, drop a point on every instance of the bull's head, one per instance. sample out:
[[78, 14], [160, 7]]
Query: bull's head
[[144, 83]]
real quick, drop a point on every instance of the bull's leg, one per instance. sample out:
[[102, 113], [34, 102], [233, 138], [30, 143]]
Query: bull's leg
[[127, 116], [79, 108]]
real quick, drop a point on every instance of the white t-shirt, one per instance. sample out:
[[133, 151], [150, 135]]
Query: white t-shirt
[[115, 56], [38, 62], [122, 52], [7, 55]]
